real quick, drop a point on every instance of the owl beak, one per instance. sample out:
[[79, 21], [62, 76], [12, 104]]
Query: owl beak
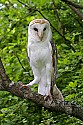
[[40, 35]]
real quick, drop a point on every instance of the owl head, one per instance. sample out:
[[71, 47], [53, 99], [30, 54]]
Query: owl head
[[39, 30]]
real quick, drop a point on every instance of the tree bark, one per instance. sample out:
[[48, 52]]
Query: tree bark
[[57, 16], [74, 7], [76, 11], [19, 90], [73, 4]]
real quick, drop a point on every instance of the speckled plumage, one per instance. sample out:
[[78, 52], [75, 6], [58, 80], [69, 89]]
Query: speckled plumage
[[41, 21]]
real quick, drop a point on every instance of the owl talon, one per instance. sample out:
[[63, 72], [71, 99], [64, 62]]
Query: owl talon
[[25, 87], [48, 98], [28, 85]]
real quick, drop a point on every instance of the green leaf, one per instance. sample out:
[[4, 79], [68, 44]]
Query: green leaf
[[73, 85]]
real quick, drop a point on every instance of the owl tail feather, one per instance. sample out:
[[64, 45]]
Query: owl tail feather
[[57, 94]]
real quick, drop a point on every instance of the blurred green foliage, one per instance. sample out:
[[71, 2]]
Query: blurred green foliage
[[14, 19]]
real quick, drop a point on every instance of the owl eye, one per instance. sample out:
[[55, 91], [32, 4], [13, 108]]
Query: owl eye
[[36, 29], [44, 29]]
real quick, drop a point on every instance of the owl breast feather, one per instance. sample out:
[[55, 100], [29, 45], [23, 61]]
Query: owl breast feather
[[40, 56]]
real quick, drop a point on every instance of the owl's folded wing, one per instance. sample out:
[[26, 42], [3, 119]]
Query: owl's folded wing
[[28, 53], [54, 64], [53, 50]]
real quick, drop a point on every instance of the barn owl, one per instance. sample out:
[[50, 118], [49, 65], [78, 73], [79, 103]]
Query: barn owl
[[40, 53]]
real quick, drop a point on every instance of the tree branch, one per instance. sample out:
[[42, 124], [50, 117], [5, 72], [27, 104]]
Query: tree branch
[[57, 16], [74, 7], [76, 11], [20, 62], [17, 89], [3, 76], [73, 4]]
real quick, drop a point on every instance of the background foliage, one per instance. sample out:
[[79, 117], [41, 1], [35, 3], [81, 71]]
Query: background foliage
[[14, 19]]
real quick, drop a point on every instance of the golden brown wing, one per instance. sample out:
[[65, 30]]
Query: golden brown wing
[[54, 64]]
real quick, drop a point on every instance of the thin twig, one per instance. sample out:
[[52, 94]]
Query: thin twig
[[22, 3], [20, 62], [57, 16]]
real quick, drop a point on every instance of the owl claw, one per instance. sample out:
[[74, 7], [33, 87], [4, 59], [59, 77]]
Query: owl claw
[[48, 98], [28, 85], [24, 86]]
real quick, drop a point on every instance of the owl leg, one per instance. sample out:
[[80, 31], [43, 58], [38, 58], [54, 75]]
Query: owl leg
[[42, 83], [35, 81], [48, 86], [36, 74], [48, 75]]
